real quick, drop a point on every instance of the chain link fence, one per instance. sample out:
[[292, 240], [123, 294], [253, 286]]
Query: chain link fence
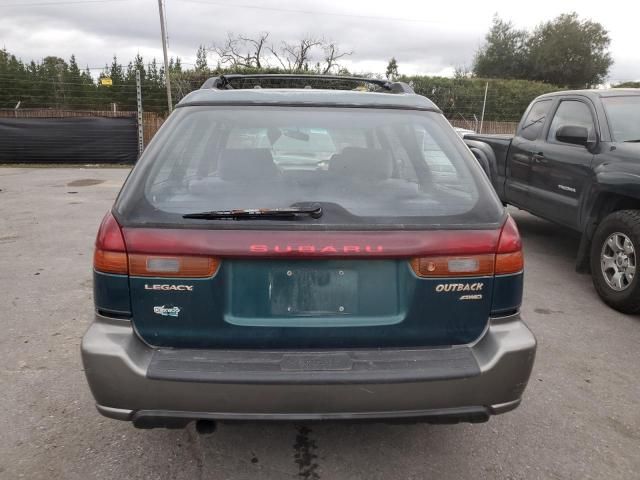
[[52, 98]]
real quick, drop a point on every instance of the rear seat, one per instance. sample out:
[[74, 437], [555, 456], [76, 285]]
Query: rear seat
[[253, 168], [362, 164], [248, 165], [363, 171], [356, 174]]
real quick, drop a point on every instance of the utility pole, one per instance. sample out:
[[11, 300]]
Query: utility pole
[[166, 57]]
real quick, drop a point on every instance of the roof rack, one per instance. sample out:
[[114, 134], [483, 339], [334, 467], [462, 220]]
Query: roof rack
[[223, 81]]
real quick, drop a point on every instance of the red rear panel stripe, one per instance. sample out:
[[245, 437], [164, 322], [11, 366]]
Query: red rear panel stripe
[[272, 244]]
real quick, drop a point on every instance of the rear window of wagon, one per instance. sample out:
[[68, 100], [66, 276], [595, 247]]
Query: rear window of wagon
[[366, 167]]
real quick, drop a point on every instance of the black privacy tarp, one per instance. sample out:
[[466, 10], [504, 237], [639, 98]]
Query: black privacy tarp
[[68, 140]]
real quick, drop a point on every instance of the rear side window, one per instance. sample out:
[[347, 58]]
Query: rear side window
[[624, 117], [533, 123], [570, 112], [364, 166]]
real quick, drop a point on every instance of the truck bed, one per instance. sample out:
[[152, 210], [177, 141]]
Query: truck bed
[[491, 152], [493, 137]]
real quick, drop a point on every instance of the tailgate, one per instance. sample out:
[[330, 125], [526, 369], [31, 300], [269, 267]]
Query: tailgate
[[361, 300]]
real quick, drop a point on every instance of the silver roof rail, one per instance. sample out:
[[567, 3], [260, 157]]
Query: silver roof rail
[[223, 82]]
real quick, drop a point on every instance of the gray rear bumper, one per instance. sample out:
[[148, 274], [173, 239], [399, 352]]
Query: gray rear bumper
[[163, 387]]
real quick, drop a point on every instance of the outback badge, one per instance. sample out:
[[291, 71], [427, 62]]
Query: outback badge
[[167, 311], [459, 287], [462, 287]]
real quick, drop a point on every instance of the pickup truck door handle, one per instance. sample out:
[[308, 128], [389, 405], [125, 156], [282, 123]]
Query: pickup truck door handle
[[539, 157]]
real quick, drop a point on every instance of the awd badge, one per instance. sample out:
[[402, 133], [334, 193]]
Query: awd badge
[[167, 311]]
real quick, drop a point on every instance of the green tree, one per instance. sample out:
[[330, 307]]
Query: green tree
[[154, 96], [504, 53], [462, 98], [175, 66], [116, 72], [201, 60], [627, 85], [569, 51], [30, 98], [565, 51], [14, 83], [392, 69], [137, 65], [51, 85], [78, 90]]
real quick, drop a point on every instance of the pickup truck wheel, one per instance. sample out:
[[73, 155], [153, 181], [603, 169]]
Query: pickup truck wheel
[[614, 258]]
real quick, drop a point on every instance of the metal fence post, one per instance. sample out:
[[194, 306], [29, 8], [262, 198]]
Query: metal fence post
[[484, 104], [140, 126]]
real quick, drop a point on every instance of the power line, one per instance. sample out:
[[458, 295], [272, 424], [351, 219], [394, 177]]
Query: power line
[[61, 2], [319, 12]]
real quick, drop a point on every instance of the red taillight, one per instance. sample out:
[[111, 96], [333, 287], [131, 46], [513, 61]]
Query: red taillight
[[110, 255], [310, 244], [509, 258], [197, 253], [468, 266], [174, 266]]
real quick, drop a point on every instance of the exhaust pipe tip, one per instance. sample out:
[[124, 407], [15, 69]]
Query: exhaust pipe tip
[[205, 427]]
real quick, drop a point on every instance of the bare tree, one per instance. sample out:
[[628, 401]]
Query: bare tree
[[241, 51], [258, 46], [332, 54], [295, 56]]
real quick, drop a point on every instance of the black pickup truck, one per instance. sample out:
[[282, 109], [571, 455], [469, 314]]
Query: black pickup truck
[[575, 160]]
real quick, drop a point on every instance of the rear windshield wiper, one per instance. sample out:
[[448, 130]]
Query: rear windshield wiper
[[632, 141], [314, 211]]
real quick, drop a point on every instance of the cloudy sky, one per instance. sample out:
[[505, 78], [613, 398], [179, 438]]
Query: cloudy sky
[[426, 37]]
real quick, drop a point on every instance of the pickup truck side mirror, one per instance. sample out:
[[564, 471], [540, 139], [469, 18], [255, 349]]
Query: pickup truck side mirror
[[573, 134]]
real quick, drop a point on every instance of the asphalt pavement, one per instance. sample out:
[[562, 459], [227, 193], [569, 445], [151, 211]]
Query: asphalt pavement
[[580, 417]]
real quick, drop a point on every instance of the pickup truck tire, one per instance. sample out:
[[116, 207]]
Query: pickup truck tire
[[614, 259]]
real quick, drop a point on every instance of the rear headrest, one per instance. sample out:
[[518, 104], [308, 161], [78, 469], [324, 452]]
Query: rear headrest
[[362, 163], [247, 164]]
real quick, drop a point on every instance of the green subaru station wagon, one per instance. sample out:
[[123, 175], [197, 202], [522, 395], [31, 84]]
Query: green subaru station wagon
[[307, 254]]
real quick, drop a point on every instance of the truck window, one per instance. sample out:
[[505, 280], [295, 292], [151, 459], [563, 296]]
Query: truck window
[[624, 117], [570, 112], [533, 123]]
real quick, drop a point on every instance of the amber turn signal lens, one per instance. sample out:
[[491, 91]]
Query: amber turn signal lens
[[172, 267], [110, 262], [110, 255], [469, 266], [509, 263]]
